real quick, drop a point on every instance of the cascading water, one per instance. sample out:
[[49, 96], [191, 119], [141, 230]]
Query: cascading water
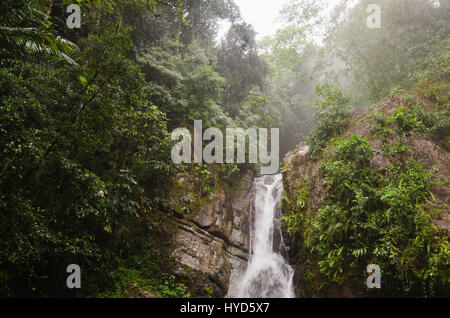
[[267, 274]]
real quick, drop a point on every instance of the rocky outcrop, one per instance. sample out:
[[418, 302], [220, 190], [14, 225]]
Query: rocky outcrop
[[208, 244]]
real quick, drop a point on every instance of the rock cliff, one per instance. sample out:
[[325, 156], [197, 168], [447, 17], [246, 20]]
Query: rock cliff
[[208, 243]]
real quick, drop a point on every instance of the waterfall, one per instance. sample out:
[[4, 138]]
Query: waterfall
[[267, 274]]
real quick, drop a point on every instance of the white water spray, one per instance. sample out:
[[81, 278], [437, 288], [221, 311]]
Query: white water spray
[[267, 275]]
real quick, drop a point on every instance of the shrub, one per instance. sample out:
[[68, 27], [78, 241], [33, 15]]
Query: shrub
[[371, 217], [331, 117]]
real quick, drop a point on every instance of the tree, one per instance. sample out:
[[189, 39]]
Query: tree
[[90, 140], [25, 33], [290, 56], [380, 59], [239, 62]]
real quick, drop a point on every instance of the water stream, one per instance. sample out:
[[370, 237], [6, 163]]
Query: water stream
[[267, 275]]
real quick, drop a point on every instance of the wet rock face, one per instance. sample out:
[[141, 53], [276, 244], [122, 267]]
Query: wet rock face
[[202, 254], [280, 235], [208, 244]]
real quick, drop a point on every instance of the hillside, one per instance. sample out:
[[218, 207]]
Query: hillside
[[377, 193]]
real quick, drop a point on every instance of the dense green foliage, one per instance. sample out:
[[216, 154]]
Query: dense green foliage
[[379, 60], [26, 33], [354, 213], [240, 63], [290, 57], [371, 216], [331, 117], [85, 174], [85, 154]]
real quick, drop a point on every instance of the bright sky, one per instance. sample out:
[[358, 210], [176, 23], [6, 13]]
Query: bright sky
[[261, 14]]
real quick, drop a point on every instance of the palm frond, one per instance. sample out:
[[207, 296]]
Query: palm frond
[[26, 30]]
